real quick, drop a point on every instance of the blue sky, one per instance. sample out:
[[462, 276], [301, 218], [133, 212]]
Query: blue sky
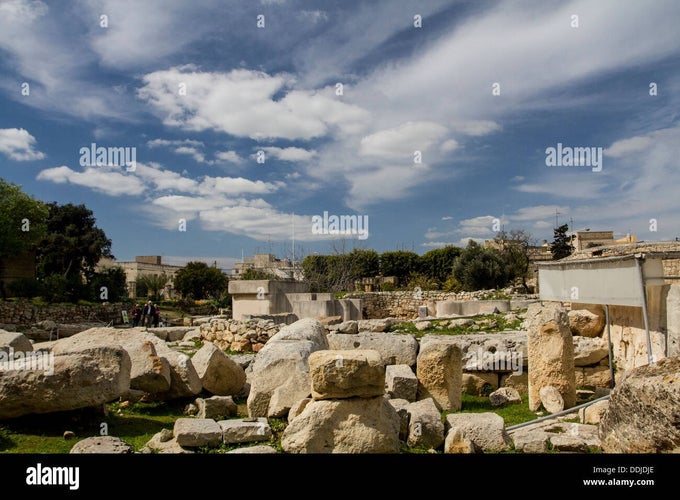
[[431, 120]]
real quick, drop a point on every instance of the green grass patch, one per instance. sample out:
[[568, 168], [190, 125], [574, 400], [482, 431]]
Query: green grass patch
[[512, 414], [487, 323], [134, 424]]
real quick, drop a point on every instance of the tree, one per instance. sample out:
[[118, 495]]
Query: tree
[[479, 268], [437, 264], [399, 263], [22, 226], [108, 284], [561, 245], [23, 220], [151, 284], [364, 263], [73, 245], [200, 281], [515, 250]]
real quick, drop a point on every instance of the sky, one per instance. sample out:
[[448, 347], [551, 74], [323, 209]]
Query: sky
[[221, 129]]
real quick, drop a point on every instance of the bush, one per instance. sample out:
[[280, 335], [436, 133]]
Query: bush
[[452, 285], [58, 288], [24, 288]]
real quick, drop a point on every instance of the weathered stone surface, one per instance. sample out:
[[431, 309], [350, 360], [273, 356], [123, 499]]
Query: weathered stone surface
[[257, 449], [643, 415], [195, 432], [339, 374], [150, 372], [245, 430], [401, 382], [551, 353], [395, 348], [355, 425], [102, 444], [485, 430], [426, 429], [216, 407], [17, 341], [551, 399], [587, 321], [184, 381], [592, 414], [79, 377], [349, 327], [455, 442], [440, 375], [505, 396], [401, 405], [589, 351], [281, 367], [479, 383], [298, 408], [160, 444], [219, 374], [593, 377], [516, 381]]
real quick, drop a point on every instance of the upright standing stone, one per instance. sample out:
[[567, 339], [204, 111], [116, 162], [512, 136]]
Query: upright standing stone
[[440, 374], [550, 349]]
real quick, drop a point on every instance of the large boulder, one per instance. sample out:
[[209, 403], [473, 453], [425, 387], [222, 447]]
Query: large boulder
[[280, 373], [354, 425], [150, 372], [219, 374], [184, 381], [587, 320], [72, 378], [395, 348], [440, 375], [550, 348], [346, 374], [14, 341], [643, 415]]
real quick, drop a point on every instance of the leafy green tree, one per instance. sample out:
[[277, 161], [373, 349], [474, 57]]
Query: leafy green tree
[[73, 244], [23, 220], [399, 263], [480, 268], [200, 281], [561, 245], [151, 284], [364, 263], [113, 280], [437, 264], [315, 270], [515, 247]]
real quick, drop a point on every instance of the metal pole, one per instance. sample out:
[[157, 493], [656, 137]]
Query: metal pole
[[638, 258], [554, 415], [609, 346]]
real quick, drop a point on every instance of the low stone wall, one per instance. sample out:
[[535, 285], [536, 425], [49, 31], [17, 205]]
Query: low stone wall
[[239, 335], [404, 304], [23, 313]]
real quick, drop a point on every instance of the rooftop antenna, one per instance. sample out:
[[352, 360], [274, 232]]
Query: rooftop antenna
[[557, 224]]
